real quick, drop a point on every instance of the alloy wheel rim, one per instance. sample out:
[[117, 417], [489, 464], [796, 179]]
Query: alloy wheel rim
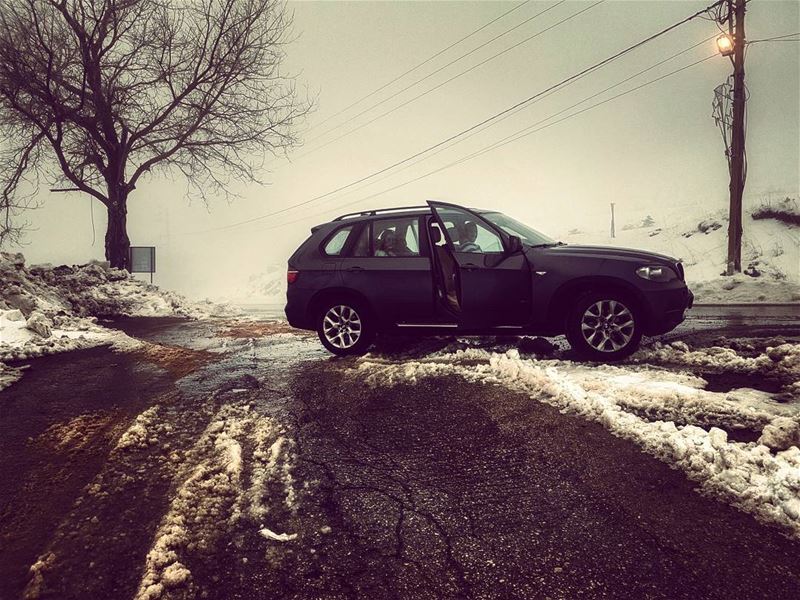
[[342, 326], [607, 325]]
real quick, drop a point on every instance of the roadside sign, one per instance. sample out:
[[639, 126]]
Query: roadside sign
[[143, 260]]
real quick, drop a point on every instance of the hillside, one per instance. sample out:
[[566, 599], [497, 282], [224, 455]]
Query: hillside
[[770, 253], [266, 287]]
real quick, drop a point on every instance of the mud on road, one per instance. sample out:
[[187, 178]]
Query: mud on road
[[229, 460]]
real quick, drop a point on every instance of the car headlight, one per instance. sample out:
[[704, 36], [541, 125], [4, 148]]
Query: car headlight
[[656, 273]]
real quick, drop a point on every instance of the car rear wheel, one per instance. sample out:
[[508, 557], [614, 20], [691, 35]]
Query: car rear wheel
[[345, 328], [604, 326]]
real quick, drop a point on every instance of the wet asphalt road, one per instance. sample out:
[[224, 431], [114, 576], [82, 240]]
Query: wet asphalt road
[[442, 489], [706, 322], [445, 490]]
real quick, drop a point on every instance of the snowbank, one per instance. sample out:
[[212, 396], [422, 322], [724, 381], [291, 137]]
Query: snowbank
[[8, 375], [697, 236], [781, 360], [742, 289], [19, 339], [94, 289], [46, 309], [786, 210], [669, 414]]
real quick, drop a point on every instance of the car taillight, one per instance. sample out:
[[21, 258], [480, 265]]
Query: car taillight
[[291, 276]]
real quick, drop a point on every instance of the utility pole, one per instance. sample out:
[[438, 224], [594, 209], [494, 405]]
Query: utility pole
[[736, 10], [612, 220]]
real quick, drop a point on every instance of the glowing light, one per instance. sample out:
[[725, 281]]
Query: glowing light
[[725, 45]]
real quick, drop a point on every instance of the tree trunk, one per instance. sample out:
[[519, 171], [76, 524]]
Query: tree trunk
[[117, 243]]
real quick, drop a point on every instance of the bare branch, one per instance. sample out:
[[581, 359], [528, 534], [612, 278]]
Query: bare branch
[[111, 90]]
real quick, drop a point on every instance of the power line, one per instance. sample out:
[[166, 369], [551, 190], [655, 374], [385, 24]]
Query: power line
[[490, 119], [515, 136], [460, 140], [528, 130], [778, 38], [454, 77], [431, 74], [424, 62]]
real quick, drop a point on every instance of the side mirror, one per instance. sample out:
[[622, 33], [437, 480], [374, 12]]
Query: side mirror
[[514, 245]]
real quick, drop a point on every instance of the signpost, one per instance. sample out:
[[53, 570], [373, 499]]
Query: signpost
[[143, 260]]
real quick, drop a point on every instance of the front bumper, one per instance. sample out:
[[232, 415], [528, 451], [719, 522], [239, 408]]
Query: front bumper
[[667, 309]]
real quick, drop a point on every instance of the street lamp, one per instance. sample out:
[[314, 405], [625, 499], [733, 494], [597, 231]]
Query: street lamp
[[725, 44]]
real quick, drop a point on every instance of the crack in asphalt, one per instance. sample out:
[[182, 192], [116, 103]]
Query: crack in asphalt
[[442, 489], [421, 494]]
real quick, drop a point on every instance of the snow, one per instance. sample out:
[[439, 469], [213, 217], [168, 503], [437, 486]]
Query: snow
[[277, 537], [265, 287], [92, 289], [46, 309], [783, 359], [198, 507], [669, 414], [216, 489], [781, 433], [770, 253], [8, 375], [138, 434], [18, 342]]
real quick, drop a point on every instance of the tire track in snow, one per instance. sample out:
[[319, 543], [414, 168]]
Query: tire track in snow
[[216, 495]]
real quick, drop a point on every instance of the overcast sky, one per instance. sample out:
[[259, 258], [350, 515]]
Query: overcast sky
[[654, 151]]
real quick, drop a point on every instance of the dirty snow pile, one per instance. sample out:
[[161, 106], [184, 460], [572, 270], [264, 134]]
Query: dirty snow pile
[[668, 413], [8, 375], [46, 309], [93, 289], [780, 359], [698, 236], [38, 335]]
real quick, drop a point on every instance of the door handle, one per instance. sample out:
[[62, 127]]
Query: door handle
[[355, 268], [470, 266]]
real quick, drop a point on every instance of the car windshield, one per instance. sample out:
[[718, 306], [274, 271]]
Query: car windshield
[[513, 227]]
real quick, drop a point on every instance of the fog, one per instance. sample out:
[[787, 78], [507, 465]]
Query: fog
[[655, 151]]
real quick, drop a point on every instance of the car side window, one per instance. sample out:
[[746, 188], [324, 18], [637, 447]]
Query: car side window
[[388, 238], [335, 244], [468, 234], [486, 240], [395, 237]]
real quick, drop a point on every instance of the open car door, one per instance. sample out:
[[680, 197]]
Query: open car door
[[483, 277]]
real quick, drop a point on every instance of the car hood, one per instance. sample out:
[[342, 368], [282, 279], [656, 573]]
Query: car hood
[[609, 252]]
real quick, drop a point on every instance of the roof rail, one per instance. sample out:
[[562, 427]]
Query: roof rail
[[378, 210]]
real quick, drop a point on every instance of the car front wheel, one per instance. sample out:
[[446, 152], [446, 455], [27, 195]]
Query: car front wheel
[[604, 327], [345, 328]]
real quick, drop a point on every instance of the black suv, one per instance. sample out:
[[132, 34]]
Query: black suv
[[445, 269]]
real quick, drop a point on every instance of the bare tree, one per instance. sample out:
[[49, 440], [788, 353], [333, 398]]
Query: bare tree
[[95, 94]]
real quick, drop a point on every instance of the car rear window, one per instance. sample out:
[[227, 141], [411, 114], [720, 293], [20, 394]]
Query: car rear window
[[335, 243]]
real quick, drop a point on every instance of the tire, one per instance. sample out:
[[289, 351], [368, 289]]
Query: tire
[[345, 327], [604, 326]]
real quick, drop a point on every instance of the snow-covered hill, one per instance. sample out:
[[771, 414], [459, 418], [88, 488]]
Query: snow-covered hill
[[770, 253], [266, 287]]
